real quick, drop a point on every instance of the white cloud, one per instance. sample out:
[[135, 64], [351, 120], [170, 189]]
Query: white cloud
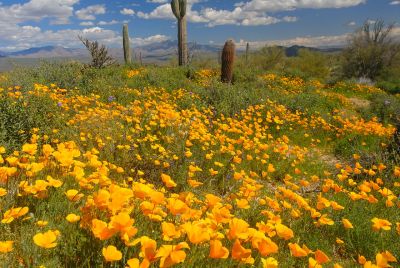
[[310, 41], [149, 40], [86, 23], [17, 33], [59, 11], [160, 12], [394, 3], [351, 23], [112, 22], [127, 11], [251, 13], [88, 13], [29, 36], [157, 1], [286, 5]]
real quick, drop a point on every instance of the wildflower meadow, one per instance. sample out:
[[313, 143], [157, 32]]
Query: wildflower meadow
[[179, 173]]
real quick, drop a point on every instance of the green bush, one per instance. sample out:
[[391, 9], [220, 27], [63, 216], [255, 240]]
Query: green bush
[[63, 74], [385, 107], [18, 118], [309, 64]]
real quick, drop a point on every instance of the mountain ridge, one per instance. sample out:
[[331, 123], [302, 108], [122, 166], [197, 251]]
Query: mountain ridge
[[161, 49]]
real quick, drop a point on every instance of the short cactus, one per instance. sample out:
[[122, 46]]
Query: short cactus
[[179, 9], [227, 61]]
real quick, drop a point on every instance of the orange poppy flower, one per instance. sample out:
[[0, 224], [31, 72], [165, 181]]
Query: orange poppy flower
[[6, 246], [217, 251], [111, 254], [46, 240], [171, 254]]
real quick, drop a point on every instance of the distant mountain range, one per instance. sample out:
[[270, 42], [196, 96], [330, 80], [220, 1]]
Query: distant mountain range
[[157, 51]]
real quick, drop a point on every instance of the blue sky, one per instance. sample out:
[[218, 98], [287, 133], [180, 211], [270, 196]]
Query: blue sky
[[29, 23]]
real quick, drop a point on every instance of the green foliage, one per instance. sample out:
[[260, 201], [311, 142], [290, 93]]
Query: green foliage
[[18, 118], [309, 64], [99, 54], [311, 103], [370, 50], [64, 74], [389, 78], [268, 58], [70, 75], [386, 108]]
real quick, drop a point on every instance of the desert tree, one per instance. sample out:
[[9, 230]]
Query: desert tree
[[100, 57], [370, 49]]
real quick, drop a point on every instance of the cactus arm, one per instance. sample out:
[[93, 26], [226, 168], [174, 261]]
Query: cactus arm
[[182, 7], [175, 8], [179, 10]]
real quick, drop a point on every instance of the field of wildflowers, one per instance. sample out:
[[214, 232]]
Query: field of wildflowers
[[308, 175]]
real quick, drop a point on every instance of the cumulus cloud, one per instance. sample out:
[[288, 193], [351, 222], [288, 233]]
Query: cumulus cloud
[[250, 13], [310, 41], [351, 23], [17, 31], [127, 11], [88, 13], [86, 23], [59, 11], [111, 22], [157, 1], [149, 40], [160, 12], [29, 36], [287, 5]]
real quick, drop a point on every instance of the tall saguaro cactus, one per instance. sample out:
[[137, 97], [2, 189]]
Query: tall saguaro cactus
[[127, 50], [227, 61], [247, 52], [179, 9]]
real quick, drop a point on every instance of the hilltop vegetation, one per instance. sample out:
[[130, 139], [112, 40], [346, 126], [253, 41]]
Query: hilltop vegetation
[[167, 166]]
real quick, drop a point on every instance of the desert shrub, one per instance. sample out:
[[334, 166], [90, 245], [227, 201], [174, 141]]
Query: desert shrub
[[371, 49], [18, 118], [69, 75], [309, 64], [231, 99], [63, 74], [311, 103], [389, 79], [385, 107], [100, 56], [392, 86], [268, 58]]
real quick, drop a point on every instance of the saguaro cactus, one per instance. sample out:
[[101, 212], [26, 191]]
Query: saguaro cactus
[[179, 9], [247, 52], [227, 61], [127, 50]]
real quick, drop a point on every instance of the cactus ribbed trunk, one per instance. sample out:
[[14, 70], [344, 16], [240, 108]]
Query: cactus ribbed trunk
[[247, 52], [179, 10], [182, 44], [227, 61], [127, 50]]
